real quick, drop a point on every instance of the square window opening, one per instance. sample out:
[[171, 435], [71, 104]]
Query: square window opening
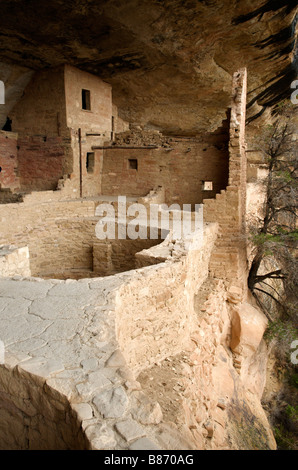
[[86, 100], [90, 162], [132, 163], [207, 186]]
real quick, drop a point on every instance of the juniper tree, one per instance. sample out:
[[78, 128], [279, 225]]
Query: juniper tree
[[276, 236]]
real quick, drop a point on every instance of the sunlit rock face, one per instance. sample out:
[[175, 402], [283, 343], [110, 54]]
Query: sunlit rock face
[[170, 63]]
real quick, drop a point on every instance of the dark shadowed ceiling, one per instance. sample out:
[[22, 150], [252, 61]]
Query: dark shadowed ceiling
[[170, 62]]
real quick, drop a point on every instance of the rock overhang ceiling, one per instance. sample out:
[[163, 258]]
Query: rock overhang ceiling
[[170, 62]]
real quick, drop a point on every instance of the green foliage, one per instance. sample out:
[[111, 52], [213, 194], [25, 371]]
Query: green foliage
[[284, 438], [293, 234], [285, 176], [260, 239], [281, 330], [277, 236], [293, 379], [292, 412]]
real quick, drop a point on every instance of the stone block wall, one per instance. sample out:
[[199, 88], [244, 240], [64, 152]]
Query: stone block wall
[[67, 386], [31, 163], [39, 118], [118, 124], [42, 109], [14, 261], [155, 310], [61, 237], [180, 170], [56, 133], [114, 256], [88, 127], [78, 392], [229, 259], [59, 234], [9, 161], [41, 161], [98, 119], [34, 416], [90, 178]]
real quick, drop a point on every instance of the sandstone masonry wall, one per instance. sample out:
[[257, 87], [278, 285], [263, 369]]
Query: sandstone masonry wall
[[41, 161], [155, 313], [67, 385], [88, 127], [56, 133], [229, 259], [9, 161], [61, 237], [114, 256], [34, 417], [14, 261], [180, 170], [184, 326], [41, 110], [58, 234], [39, 118]]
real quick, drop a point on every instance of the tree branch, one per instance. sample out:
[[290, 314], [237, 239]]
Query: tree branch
[[271, 275], [270, 287], [272, 297], [263, 307]]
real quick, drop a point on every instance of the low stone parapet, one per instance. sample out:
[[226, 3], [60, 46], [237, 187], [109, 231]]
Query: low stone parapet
[[14, 261]]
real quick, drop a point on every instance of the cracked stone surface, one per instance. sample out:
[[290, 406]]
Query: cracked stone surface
[[59, 341], [108, 364]]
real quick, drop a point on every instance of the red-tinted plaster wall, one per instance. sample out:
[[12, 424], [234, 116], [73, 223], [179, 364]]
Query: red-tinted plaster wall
[[8, 161], [40, 162]]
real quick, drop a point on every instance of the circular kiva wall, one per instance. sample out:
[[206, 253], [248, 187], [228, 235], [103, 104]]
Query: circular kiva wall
[[35, 417], [62, 242]]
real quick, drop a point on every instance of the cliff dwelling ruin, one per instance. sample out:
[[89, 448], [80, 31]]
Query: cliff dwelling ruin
[[129, 344]]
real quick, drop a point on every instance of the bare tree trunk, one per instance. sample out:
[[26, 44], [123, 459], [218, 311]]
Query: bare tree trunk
[[255, 265]]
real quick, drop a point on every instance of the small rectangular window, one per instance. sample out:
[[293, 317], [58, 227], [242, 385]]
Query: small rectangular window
[[207, 186], [90, 162], [133, 164], [86, 101]]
